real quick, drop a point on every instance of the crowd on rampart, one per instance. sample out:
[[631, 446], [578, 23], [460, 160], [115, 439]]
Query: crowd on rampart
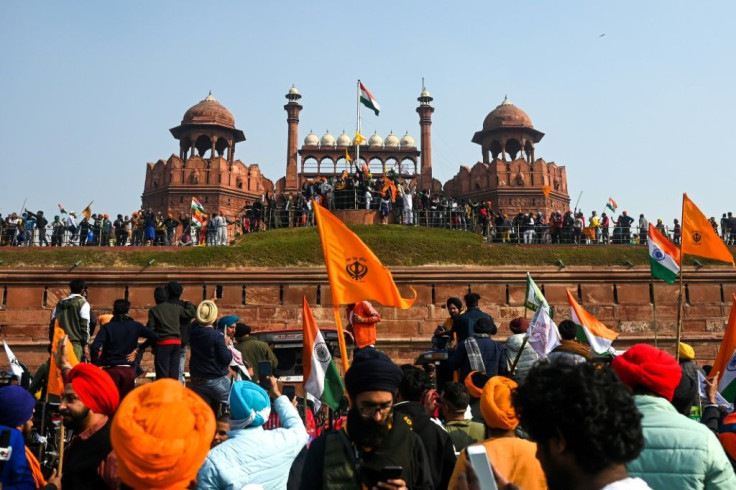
[[560, 419]]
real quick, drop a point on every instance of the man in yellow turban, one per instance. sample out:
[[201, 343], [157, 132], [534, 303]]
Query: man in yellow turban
[[161, 434], [512, 457]]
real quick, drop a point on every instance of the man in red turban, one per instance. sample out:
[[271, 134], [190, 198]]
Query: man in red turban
[[90, 398]]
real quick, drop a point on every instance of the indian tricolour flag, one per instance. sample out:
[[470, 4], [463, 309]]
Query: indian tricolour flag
[[725, 363], [322, 383], [534, 297], [598, 335], [198, 215], [664, 256], [611, 204], [367, 99]]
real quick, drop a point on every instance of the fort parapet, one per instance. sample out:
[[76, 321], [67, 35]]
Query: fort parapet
[[623, 298]]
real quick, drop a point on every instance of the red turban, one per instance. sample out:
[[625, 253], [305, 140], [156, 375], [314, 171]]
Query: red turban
[[95, 388], [649, 367], [161, 435]]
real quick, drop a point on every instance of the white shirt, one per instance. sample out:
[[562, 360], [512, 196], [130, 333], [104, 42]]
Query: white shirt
[[628, 484]]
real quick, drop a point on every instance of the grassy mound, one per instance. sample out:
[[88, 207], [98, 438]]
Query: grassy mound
[[395, 245]]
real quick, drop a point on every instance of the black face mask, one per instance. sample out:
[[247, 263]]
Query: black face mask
[[366, 432]]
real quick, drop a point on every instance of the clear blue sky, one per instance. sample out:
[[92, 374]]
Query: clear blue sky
[[90, 89]]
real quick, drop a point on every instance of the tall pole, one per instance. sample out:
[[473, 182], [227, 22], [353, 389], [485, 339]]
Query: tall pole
[[654, 311], [357, 125], [682, 288]]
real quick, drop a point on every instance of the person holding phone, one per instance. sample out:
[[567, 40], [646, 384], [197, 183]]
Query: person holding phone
[[376, 447], [253, 350]]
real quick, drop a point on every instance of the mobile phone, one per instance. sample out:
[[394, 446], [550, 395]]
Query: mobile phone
[[218, 291], [289, 391], [391, 472], [264, 370], [478, 459]]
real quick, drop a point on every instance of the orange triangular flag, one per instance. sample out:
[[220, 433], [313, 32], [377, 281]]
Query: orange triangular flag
[[545, 190], [728, 344], [354, 271], [56, 382], [698, 237]]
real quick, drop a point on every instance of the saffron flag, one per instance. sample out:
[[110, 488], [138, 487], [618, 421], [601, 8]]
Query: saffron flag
[[367, 99], [546, 190], [725, 363], [322, 383], [611, 204], [598, 335], [664, 256], [542, 333], [354, 271], [87, 212], [198, 216], [14, 364], [534, 297], [347, 156], [56, 382], [359, 139], [698, 236]]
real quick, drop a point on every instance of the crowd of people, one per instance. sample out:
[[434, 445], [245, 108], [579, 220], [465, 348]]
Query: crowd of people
[[571, 420], [393, 199]]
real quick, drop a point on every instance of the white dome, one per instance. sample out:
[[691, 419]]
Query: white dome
[[327, 139], [375, 140], [425, 93], [293, 90], [391, 140], [407, 141], [344, 140], [311, 139]]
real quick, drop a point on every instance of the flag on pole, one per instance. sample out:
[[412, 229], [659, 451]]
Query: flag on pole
[[367, 99], [546, 190], [359, 139], [14, 364], [87, 212], [61, 209], [664, 256], [698, 237], [354, 271], [611, 204], [599, 336], [198, 215], [347, 156], [542, 333], [534, 297], [322, 383], [56, 382], [725, 363]]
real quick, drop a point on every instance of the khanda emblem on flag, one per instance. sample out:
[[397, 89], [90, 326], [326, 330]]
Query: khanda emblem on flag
[[697, 237], [357, 269]]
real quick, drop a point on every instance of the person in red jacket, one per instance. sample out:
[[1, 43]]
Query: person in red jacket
[[363, 317]]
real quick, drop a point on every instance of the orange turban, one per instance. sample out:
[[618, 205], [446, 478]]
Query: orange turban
[[161, 435], [495, 403], [94, 387], [104, 319], [474, 382], [727, 435]]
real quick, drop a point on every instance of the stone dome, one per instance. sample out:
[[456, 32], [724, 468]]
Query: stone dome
[[407, 141], [311, 139], [507, 115], [344, 140], [375, 140], [391, 141], [327, 139], [425, 93], [209, 111], [294, 91]]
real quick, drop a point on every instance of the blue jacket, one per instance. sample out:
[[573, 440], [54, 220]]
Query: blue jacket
[[16, 474], [254, 455], [118, 338], [210, 356], [492, 352], [463, 324], [678, 452]]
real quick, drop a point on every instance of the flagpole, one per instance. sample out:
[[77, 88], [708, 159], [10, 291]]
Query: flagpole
[[61, 447], [654, 310], [357, 124], [681, 305], [340, 336]]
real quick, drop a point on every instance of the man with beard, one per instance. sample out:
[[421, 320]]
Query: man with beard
[[437, 442], [90, 398], [373, 438], [16, 411], [585, 423]]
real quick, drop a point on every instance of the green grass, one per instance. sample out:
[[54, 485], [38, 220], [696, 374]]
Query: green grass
[[300, 247]]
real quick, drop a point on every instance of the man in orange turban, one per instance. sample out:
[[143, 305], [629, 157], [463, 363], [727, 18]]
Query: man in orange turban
[[512, 457], [161, 434], [90, 398]]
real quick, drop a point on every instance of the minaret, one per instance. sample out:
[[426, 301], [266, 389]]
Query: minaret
[[292, 110], [425, 111]]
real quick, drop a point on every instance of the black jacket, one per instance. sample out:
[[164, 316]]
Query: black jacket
[[210, 356], [117, 339]]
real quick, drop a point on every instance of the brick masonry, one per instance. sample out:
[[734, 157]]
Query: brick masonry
[[623, 299]]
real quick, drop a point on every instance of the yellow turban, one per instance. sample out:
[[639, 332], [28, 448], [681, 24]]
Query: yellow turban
[[206, 312], [161, 434], [495, 403], [687, 353]]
